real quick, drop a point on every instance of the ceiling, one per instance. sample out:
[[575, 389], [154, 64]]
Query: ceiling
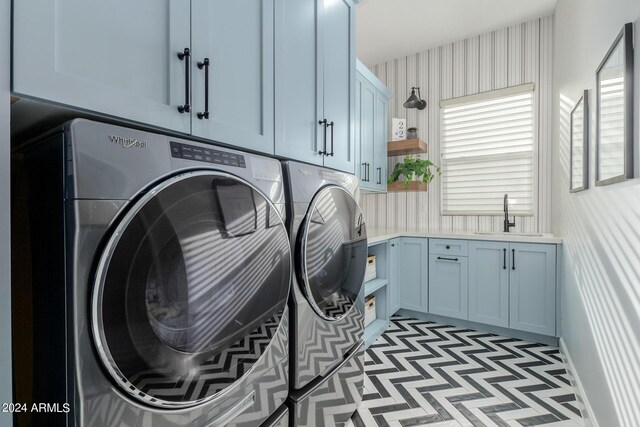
[[388, 29]]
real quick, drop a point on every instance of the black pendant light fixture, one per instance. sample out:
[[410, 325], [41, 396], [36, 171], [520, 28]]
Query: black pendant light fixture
[[415, 101]]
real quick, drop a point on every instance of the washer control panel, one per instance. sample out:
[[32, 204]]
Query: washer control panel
[[208, 155]]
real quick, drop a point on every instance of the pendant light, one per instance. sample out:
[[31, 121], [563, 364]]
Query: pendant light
[[415, 101]]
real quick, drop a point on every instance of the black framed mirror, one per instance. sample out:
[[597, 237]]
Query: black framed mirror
[[614, 115], [579, 147]]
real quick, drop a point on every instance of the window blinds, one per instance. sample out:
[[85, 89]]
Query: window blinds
[[488, 150]]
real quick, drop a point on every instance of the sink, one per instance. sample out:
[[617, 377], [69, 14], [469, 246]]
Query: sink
[[502, 233]]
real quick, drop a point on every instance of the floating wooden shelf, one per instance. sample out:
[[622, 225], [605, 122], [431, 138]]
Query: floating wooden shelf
[[413, 186], [406, 146]]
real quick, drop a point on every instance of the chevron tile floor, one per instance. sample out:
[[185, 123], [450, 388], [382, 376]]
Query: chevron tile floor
[[424, 373]]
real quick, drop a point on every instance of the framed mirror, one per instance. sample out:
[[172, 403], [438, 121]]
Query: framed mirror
[[614, 116], [579, 154]]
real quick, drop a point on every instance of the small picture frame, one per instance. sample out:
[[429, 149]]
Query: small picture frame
[[579, 145], [614, 114], [398, 129]]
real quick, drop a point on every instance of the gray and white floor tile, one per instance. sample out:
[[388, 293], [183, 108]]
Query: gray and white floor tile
[[424, 373]]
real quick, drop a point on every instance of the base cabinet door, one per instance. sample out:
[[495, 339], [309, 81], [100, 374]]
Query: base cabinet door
[[394, 284], [532, 283], [448, 285], [489, 283], [240, 91], [118, 58], [413, 273]]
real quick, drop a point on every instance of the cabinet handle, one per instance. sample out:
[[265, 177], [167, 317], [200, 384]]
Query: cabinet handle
[[393, 244], [504, 258], [379, 175], [367, 172], [185, 56], [447, 259], [513, 259], [364, 172], [205, 64], [324, 150], [331, 125]]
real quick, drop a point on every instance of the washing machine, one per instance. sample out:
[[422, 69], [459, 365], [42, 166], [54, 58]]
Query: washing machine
[[329, 243], [160, 272]]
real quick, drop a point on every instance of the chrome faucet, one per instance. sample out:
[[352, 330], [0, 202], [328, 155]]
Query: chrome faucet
[[507, 224]]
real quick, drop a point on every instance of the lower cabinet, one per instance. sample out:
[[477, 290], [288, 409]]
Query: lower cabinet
[[513, 285], [489, 283], [394, 289], [448, 285], [412, 273], [532, 282]]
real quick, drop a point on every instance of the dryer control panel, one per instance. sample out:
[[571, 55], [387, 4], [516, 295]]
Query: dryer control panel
[[209, 155]]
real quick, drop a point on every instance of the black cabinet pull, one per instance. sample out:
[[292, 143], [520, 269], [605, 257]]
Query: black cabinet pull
[[185, 56], [379, 175], [324, 150], [513, 259], [368, 174], [331, 125], [448, 247], [364, 172], [205, 64], [447, 259], [393, 244], [504, 258]]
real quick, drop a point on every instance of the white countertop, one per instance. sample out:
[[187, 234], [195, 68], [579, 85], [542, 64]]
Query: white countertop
[[377, 235]]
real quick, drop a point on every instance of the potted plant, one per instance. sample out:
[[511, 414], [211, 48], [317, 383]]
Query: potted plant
[[414, 169]]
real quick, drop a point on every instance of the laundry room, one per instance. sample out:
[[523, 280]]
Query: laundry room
[[310, 213]]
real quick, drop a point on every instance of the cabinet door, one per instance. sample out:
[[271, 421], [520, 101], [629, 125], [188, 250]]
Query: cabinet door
[[394, 286], [380, 143], [489, 264], [413, 273], [448, 285], [117, 57], [238, 39], [532, 280], [338, 78], [297, 129], [367, 133]]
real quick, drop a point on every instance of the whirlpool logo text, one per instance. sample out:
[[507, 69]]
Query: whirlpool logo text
[[127, 142]]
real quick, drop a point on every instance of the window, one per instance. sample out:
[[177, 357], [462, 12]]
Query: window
[[488, 150]]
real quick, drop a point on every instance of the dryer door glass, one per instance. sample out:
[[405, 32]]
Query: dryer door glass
[[333, 252], [191, 288]]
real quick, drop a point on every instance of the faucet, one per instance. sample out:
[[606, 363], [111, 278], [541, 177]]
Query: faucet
[[507, 224]]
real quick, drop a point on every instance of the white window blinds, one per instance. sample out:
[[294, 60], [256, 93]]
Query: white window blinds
[[488, 150]]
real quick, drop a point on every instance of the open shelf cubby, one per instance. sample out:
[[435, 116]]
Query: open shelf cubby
[[379, 288]]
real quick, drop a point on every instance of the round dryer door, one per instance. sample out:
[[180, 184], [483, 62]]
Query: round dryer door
[[191, 288], [332, 252]]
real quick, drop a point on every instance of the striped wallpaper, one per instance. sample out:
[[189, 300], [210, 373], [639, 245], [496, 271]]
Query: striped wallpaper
[[507, 57]]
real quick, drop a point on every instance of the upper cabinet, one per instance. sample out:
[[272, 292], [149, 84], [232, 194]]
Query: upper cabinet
[[233, 72], [371, 130], [204, 67], [315, 83], [118, 57]]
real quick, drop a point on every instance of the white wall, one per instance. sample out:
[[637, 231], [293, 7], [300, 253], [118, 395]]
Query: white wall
[[600, 227], [5, 225], [506, 57]]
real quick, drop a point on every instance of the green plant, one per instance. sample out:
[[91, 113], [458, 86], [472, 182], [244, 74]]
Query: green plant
[[414, 166]]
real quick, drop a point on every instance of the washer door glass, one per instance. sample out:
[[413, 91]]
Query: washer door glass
[[191, 288], [333, 251]]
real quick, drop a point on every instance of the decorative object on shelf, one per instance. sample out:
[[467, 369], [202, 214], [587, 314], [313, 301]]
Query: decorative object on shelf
[[415, 101], [398, 129], [369, 310], [407, 146], [370, 271], [412, 133], [614, 114], [414, 169], [579, 146]]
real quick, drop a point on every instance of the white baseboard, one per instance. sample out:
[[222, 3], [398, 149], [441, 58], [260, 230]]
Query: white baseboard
[[585, 409]]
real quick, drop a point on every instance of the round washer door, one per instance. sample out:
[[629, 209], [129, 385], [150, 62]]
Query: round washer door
[[332, 252], [190, 289]]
